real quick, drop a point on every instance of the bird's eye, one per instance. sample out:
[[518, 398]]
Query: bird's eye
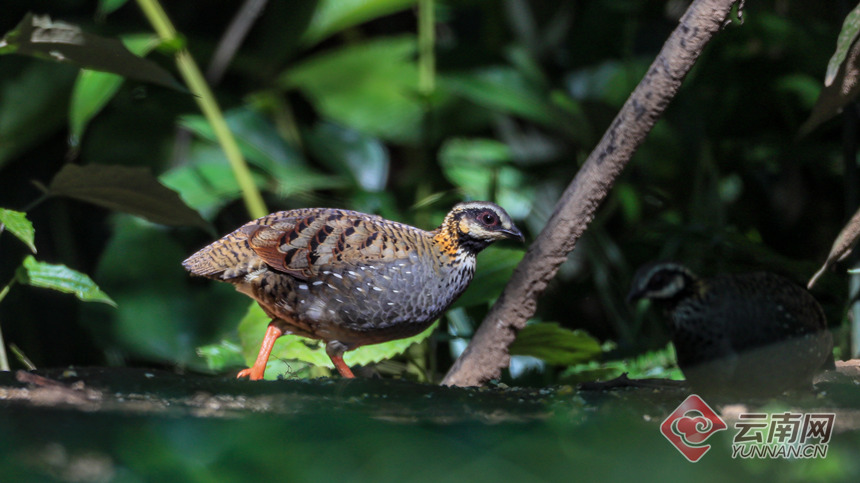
[[488, 218], [658, 281]]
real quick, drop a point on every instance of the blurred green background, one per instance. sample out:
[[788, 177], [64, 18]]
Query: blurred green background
[[338, 104]]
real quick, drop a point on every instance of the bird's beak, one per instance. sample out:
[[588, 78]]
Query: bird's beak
[[513, 233]]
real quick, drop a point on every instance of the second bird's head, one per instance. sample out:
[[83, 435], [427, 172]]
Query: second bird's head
[[662, 281]]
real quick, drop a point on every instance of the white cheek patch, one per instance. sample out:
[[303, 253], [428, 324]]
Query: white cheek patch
[[671, 289]]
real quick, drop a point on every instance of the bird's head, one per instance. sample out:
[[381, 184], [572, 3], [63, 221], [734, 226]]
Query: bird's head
[[473, 225], [662, 281]]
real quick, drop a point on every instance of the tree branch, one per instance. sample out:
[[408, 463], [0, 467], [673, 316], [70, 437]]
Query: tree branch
[[487, 353]]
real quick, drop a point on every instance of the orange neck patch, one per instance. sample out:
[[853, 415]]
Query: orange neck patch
[[447, 238]]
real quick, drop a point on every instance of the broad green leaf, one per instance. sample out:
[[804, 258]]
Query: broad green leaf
[[18, 224], [61, 278], [495, 266], [252, 328], [478, 167], [332, 16], [302, 180], [555, 345], [207, 183], [93, 89], [847, 37], [257, 138], [223, 355], [346, 150], [651, 364], [39, 36], [468, 151], [506, 90], [369, 86], [130, 190], [264, 148], [33, 100], [371, 354]]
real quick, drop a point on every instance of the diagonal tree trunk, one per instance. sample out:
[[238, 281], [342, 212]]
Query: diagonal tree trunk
[[487, 354]]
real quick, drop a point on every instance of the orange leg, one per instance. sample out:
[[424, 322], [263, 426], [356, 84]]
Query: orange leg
[[256, 372], [342, 368], [335, 350]]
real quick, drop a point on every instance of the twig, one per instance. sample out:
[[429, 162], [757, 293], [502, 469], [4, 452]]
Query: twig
[[487, 353], [4, 360], [50, 392], [233, 38]]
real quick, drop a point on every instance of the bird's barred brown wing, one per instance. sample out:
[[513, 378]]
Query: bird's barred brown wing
[[304, 242], [305, 246]]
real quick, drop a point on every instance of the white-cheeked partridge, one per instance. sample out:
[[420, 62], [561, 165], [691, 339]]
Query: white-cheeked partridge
[[349, 278], [752, 334]]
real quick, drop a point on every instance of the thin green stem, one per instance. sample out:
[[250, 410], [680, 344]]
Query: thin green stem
[[209, 106], [426, 41]]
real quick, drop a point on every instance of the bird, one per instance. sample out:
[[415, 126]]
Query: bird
[[349, 278], [748, 334]]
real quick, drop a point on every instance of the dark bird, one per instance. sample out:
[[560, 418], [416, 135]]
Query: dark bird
[[753, 334], [348, 278]]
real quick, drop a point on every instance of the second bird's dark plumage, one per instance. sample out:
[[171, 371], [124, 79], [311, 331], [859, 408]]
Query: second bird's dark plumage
[[741, 334], [349, 278]]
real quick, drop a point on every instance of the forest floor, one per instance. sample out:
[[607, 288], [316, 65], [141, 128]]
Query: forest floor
[[103, 424]]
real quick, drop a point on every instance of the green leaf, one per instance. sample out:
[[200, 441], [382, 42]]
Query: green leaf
[[18, 224], [61, 278], [841, 86], [107, 7], [207, 183], [479, 168], [252, 328], [257, 138], [221, 356], [130, 190], [555, 345], [264, 148], [610, 82], [506, 90], [34, 99], [495, 266], [39, 36], [370, 354], [93, 89], [161, 316], [659, 364], [346, 150], [369, 86], [332, 16], [847, 37]]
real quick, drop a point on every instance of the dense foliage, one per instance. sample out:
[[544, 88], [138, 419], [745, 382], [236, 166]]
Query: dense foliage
[[337, 105]]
